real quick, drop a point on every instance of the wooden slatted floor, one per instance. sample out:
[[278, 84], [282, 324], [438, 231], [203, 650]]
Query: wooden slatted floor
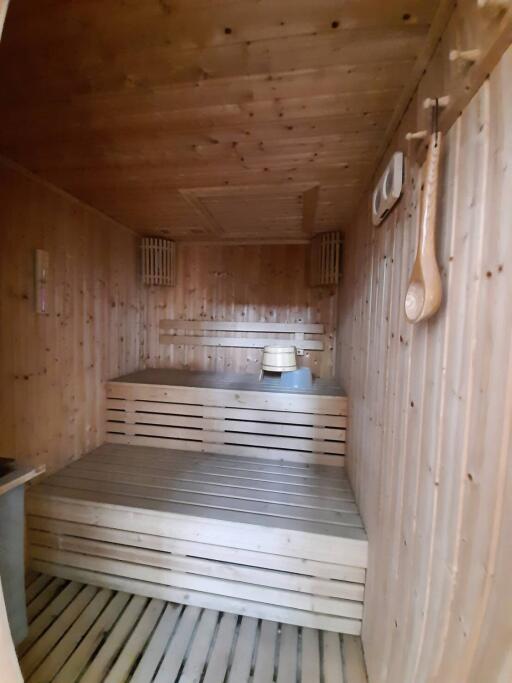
[[84, 633]]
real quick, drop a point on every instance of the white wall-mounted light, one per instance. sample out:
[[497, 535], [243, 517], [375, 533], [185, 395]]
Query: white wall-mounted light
[[388, 189]]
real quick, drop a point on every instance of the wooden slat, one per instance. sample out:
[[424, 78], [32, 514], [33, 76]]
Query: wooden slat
[[242, 657], [248, 326], [159, 640], [79, 660], [161, 459], [353, 660], [219, 659], [348, 546], [136, 642], [38, 651], [57, 656], [188, 476], [310, 663], [225, 425], [36, 587], [228, 449], [178, 547], [36, 605], [194, 565], [181, 582], [205, 600], [298, 402], [221, 413], [48, 616], [332, 662], [132, 423], [288, 653], [238, 342], [110, 649], [19, 476], [339, 500], [221, 437], [265, 655], [200, 647], [228, 508], [178, 646]]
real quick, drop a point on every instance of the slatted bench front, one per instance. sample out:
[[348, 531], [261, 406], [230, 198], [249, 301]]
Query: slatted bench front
[[296, 427]]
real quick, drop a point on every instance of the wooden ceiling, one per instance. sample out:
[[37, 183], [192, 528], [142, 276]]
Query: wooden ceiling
[[208, 119]]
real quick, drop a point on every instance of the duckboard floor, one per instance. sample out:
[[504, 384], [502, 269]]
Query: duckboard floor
[[95, 635], [276, 540]]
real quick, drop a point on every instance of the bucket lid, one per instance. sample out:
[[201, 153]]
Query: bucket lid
[[279, 349]]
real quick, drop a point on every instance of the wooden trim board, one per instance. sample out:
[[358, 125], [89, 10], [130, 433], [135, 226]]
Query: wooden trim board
[[298, 330]]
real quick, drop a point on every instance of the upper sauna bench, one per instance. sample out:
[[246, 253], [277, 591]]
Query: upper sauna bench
[[229, 414]]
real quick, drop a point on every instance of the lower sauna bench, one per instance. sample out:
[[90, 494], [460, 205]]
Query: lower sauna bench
[[80, 632], [269, 539]]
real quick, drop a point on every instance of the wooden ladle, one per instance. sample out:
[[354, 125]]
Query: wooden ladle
[[424, 293]]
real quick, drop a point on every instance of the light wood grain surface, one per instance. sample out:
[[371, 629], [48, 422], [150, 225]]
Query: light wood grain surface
[[430, 431], [78, 632], [52, 367], [201, 119]]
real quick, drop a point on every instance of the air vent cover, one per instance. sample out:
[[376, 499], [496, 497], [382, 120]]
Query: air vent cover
[[158, 262], [325, 259]]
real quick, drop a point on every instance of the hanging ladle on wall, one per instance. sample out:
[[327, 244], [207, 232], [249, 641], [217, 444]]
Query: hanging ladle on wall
[[424, 293]]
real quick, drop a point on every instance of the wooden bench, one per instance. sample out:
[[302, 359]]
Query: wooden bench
[[150, 408], [272, 538]]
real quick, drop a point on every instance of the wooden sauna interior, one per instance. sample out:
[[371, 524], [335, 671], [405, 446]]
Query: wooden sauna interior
[[196, 521]]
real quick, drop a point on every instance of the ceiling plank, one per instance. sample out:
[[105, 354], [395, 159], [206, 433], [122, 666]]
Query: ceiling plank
[[141, 108]]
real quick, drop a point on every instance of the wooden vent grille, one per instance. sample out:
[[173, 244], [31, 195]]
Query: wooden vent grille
[[158, 262], [325, 259]]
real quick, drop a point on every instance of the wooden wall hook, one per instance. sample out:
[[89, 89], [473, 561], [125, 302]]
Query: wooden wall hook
[[418, 135], [470, 56], [442, 102], [494, 4]]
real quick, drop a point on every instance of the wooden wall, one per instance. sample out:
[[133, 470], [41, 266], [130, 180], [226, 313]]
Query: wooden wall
[[52, 367], [430, 451], [255, 283]]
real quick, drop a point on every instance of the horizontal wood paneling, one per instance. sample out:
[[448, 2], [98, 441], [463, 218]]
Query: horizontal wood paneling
[[430, 429], [239, 283], [52, 367]]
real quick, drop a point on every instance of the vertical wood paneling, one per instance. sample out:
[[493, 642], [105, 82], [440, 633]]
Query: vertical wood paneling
[[52, 367], [238, 283], [430, 448]]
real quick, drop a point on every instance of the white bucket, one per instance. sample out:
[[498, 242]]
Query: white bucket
[[279, 359]]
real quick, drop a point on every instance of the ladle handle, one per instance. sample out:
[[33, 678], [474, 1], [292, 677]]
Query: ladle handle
[[425, 289]]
